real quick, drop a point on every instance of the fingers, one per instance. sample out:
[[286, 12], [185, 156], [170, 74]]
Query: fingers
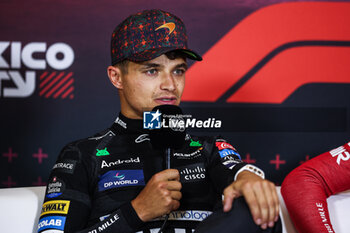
[[229, 195], [262, 200], [170, 187], [176, 195], [228, 200], [173, 185], [174, 205], [277, 202], [168, 174], [250, 197], [273, 203], [263, 203], [161, 195]]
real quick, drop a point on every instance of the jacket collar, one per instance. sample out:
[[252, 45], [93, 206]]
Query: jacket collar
[[124, 125]]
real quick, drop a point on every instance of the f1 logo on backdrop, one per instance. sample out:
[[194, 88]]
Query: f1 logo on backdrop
[[273, 52], [53, 84]]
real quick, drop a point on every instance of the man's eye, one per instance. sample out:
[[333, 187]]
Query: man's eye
[[179, 71], [151, 72]]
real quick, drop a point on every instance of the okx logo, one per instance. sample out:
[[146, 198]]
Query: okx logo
[[152, 120], [22, 65]]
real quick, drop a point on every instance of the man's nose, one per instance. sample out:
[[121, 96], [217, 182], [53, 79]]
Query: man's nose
[[168, 82]]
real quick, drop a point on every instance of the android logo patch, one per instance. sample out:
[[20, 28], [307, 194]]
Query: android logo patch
[[102, 152], [195, 143]]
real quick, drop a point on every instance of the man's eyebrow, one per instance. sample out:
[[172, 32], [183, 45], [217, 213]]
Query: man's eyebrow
[[149, 65], [182, 65]]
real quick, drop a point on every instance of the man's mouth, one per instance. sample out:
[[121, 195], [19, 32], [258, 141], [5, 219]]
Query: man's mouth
[[166, 100]]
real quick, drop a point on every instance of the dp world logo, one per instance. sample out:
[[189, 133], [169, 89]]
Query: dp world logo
[[152, 120], [119, 177]]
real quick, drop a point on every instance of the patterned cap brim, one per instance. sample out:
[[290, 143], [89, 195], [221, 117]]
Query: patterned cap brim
[[154, 53]]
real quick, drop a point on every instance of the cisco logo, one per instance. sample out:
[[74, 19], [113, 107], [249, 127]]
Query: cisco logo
[[192, 173], [20, 64]]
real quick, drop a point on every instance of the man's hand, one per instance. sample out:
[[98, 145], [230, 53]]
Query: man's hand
[[260, 195], [160, 196]]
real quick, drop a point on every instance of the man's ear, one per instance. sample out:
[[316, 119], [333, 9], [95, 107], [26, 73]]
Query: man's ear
[[115, 76]]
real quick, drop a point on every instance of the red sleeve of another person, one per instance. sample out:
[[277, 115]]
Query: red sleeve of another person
[[306, 188]]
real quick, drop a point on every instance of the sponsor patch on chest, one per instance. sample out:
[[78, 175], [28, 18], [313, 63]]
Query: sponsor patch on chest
[[117, 162], [192, 173], [190, 155], [121, 178]]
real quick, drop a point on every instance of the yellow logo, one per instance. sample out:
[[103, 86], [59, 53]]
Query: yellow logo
[[55, 207], [170, 26]]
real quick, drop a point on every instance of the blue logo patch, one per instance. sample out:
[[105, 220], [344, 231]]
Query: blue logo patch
[[52, 222], [52, 195], [225, 152], [120, 178], [152, 120]]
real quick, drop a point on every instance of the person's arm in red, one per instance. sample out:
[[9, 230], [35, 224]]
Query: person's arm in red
[[306, 188]]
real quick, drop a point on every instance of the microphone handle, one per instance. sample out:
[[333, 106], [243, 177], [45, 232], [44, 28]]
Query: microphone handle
[[167, 157], [167, 165]]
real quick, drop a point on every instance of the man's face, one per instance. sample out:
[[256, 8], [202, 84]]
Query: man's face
[[151, 83]]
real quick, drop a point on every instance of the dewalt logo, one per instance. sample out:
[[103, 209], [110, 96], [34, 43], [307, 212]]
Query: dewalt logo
[[55, 207]]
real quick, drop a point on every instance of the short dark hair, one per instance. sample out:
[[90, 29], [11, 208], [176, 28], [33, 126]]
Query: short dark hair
[[123, 65], [176, 54]]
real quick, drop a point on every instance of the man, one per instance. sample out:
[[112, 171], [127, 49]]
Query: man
[[116, 181], [305, 190]]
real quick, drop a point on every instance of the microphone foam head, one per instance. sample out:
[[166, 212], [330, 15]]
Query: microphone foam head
[[172, 133]]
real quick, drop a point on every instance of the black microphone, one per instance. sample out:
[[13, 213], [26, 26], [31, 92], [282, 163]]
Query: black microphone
[[170, 136], [172, 133]]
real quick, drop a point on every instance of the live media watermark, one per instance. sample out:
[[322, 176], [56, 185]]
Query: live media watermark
[[178, 122]]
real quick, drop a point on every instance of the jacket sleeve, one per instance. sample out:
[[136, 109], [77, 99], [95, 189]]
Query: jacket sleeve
[[305, 190], [225, 163], [67, 203]]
